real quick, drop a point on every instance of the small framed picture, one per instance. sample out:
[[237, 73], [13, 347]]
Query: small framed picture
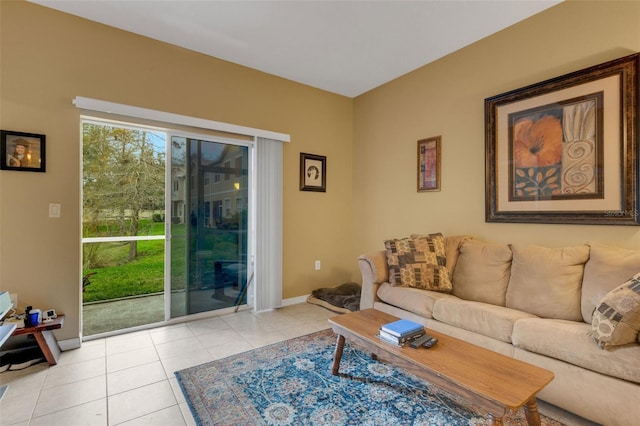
[[313, 172], [429, 164], [22, 151]]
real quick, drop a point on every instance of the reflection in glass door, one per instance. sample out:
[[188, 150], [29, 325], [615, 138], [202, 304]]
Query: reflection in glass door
[[209, 228]]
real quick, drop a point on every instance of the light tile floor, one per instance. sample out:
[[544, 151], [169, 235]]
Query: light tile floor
[[128, 379]]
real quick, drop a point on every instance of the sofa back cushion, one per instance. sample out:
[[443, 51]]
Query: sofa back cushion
[[482, 272], [452, 245], [606, 269], [547, 281]]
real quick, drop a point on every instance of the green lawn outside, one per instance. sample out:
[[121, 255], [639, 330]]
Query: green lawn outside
[[116, 277], [144, 275]]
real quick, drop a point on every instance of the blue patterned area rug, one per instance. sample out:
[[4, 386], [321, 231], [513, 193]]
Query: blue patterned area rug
[[290, 383]]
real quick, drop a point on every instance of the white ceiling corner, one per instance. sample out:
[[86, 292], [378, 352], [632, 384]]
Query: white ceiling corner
[[344, 47]]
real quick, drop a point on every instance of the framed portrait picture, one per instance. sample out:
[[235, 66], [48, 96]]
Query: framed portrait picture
[[22, 151], [429, 164], [566, 150], [313, 172]]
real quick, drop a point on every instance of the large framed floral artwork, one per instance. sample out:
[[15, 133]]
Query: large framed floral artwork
[[566, 150]]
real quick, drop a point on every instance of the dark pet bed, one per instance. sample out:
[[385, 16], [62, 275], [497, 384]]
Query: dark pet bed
[[343, 298]]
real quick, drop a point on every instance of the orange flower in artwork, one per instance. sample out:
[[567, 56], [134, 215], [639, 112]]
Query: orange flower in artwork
[[537, 143]]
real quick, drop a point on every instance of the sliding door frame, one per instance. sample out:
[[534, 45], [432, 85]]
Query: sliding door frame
[[267, 283], [251, 211]]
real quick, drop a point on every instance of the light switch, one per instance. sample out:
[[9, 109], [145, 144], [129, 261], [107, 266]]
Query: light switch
[[54, 209]]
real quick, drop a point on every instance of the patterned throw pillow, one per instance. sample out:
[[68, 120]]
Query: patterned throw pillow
[[418, 262], [616, 320]]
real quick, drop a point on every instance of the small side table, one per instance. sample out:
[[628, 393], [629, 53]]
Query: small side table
[[45, 338]]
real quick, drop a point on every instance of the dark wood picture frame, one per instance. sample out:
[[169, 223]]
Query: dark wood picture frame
[[22, 151], [313, 172], [429, 164], [565, 150]]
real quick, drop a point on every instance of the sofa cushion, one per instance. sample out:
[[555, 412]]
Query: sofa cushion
[[418, 262], [482, 272], [452, 250], [616, 320], [546, 281], [570, 341], [606, 269], [482, 318], [411, 299]]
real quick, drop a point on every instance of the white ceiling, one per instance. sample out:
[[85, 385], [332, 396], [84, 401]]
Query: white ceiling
[[344, 47]]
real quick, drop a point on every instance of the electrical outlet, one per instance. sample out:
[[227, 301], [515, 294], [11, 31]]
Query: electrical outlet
[[54, 209], [317, 265]]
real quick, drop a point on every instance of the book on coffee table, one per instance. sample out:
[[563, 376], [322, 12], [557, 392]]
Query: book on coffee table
[[407, 338], [402, 328], [391, 341]]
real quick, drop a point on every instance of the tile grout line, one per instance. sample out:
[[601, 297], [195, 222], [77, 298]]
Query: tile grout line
[[241, 324]]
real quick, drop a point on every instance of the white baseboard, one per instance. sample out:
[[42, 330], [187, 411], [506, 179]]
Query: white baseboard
[[294, 300], [69, 344], [291, 301]]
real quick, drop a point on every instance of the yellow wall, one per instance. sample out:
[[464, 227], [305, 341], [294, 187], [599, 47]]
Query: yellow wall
[[447, 98], [48, 58]]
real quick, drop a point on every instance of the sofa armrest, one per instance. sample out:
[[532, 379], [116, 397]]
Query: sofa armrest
[[375, 271]]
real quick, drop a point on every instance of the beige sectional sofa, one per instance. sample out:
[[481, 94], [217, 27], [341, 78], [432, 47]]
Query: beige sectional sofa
[[535, 304]]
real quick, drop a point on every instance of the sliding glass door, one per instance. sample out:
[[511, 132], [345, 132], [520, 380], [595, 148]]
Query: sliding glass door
[[123, 230], [165, 229], [209, 227]]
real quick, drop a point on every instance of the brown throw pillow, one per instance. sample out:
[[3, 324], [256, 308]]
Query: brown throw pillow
[[418, 262], [616, 320]]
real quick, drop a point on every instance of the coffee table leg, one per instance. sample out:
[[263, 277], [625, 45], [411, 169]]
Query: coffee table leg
[[531, 412], [493, 420], [337, 356]]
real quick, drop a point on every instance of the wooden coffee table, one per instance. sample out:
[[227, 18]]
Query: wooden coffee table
[[488, 379]]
